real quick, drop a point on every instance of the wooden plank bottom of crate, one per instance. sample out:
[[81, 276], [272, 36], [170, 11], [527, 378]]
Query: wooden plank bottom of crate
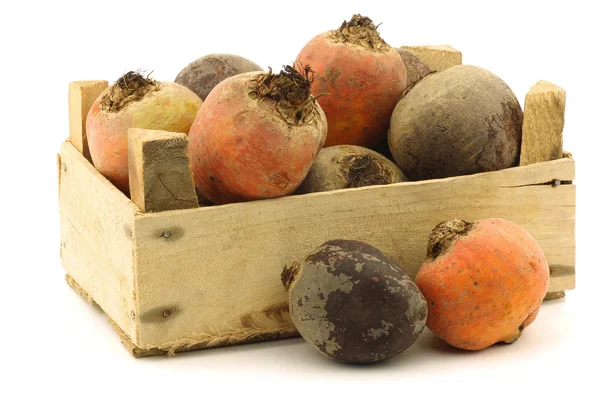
[[223, 341], [186, 345]]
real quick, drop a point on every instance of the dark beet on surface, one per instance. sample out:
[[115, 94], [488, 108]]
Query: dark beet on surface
[[354, 303]]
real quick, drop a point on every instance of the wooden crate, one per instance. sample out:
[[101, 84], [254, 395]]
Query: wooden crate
[[198, 277]]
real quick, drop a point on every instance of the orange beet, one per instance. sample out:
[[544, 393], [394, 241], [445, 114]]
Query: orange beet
[[484, 282], [256, 136], [134, 102], [363, 78]]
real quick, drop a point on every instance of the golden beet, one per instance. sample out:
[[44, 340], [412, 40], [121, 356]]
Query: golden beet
[[484, 282], [134, 101], [361, 78], [256, 136]]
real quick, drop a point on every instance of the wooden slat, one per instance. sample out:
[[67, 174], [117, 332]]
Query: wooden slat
[[543, 121], [97, 223], [160, 177], [125, 340], [82, 95], [214, 271], [437, 58], [79, 290]]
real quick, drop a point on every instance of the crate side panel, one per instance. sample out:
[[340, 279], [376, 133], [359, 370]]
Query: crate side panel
[[97, 222], [216, 271]]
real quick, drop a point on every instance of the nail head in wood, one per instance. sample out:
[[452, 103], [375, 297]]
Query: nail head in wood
[[167, 234]]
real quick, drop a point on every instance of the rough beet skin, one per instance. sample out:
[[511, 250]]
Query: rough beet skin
[[203, 74], [347, 166], [354, 303], [416, 69], [458, 121], [134, 101], [256, 136], [361, 78], [484, 282]]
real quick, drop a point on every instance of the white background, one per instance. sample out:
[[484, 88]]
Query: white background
[[53, 343]]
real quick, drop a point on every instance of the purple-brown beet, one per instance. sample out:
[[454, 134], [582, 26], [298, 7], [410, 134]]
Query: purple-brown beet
[[203, 74], [458, 121], [354, 303], [347, 166], [415, 71], [415, 68]]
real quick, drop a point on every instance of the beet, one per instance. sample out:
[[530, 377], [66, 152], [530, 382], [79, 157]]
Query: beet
[[203, 74], [484, 281], [354, 303], [360, 78], [416, 69], [459, 121], [256, 136], [134, 101], [348, 166]]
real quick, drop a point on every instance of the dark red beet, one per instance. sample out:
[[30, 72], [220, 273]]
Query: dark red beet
[[354, 303]]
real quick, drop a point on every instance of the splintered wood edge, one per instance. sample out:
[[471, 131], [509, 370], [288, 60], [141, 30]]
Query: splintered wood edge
[[160, 177], [194, 341], [543, 123], [554, 295], [437, 58], [78, 289]]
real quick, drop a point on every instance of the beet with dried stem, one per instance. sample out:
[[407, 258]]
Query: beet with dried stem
[[256, 136], [347, 166], [134, 101], [354, 303], [363, 76]]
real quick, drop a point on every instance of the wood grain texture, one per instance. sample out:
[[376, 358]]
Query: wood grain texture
[[160, 177], [554, 295], [437, 58], [79, 290], [82, 94], [543, 122], [217, 271], [97, 223], [125, 340]]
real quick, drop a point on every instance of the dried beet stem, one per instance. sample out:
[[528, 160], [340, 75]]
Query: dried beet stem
[[364, 170], [444, 234], [290, 92], [360, 31], [129, 88], [288, 275]]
